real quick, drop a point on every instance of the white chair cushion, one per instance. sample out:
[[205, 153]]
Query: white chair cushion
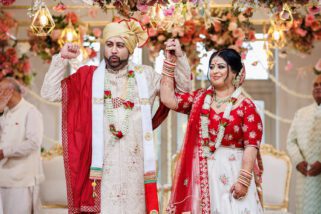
[[274, 180], [53, 189]]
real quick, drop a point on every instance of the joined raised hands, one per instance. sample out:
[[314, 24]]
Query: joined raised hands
[[173, 50], [70, 51]]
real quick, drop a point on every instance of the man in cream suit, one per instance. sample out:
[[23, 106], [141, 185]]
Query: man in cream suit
[[304, 147], [21, 131]]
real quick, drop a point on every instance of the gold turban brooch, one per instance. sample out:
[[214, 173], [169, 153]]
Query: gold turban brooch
[[131, 31]]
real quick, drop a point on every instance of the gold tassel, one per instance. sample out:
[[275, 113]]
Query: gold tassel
[[94, 184]]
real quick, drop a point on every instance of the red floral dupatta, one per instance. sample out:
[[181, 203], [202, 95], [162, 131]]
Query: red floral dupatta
[[187, 195]]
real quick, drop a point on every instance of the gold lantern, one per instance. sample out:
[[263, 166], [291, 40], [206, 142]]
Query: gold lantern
[[42, 23], [276, 37], [70, 35]]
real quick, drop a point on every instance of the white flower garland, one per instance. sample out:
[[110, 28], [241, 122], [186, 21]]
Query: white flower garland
[[209, 146], [109, 109]]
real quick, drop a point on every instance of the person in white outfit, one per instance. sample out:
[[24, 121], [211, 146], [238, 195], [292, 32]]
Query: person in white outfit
[[21, 132], [304, 148]]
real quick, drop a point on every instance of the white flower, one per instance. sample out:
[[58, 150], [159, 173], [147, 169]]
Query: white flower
[[179, 99], [252, 134], [236, 129], [232, 26], [240, 113], [186, 105], [244, 128], [216, 117], [22, 48], [259, 126], [213, 132], [231, 118], [230, 137], [190, 99], [250, 118]]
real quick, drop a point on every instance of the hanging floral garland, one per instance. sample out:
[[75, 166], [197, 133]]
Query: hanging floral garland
[[13, 59], [7, 2], [306, 29], [229, 30], [46, 47], [14, 65], [273, 5], [6, 23], [188, 35]]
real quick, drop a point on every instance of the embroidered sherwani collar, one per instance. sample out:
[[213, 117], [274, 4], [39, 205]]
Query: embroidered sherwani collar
[[118, 73]]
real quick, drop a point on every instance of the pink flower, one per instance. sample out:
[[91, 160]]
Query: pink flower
[[314, 9], [190, 27], [142, 6], [92, 12], [169, 11], [152, 32], [97, 32], [186, 39], [238, 33], [232, 26], [239, 42], [26, 66], [316, 25], [288, 67], [72, 17], [317, 35], [251, 35], [301, 32], [297, 23], [145, 19], [60, 7], [309, 19], [7, 2]]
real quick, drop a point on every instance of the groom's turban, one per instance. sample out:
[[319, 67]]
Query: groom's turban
[[131, 31]]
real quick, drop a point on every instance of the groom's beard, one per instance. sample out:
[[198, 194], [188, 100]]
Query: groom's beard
[[115, 63]]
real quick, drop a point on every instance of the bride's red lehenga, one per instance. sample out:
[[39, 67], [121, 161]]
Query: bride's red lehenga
[[190, 191]]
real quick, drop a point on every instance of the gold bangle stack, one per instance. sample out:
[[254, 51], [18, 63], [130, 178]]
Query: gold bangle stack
[[245, 178]]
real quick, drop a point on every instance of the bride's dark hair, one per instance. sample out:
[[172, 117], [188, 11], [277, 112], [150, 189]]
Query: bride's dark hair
[[231, 57]]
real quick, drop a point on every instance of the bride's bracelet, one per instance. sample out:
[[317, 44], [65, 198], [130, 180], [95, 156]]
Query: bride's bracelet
[[168, 68], [245, 178]]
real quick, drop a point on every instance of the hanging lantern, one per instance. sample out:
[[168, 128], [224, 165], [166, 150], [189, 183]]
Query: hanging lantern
[[283, 20], [276, 37], [70, 35], [42, 23]]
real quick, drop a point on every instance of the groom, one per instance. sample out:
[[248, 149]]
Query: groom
[[107, 127]]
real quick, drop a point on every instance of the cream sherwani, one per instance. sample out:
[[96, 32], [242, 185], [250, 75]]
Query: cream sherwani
[[21, 132], [304, 144], [123, 171]]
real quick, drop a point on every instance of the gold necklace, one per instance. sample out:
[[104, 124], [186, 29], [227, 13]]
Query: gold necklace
[[220, 101]]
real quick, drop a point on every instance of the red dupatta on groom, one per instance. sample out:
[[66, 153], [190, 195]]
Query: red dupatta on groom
[[76, 140], [77, 145]]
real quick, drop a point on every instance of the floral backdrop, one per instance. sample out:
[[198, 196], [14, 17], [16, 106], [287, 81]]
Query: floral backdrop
[[14, 61]]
